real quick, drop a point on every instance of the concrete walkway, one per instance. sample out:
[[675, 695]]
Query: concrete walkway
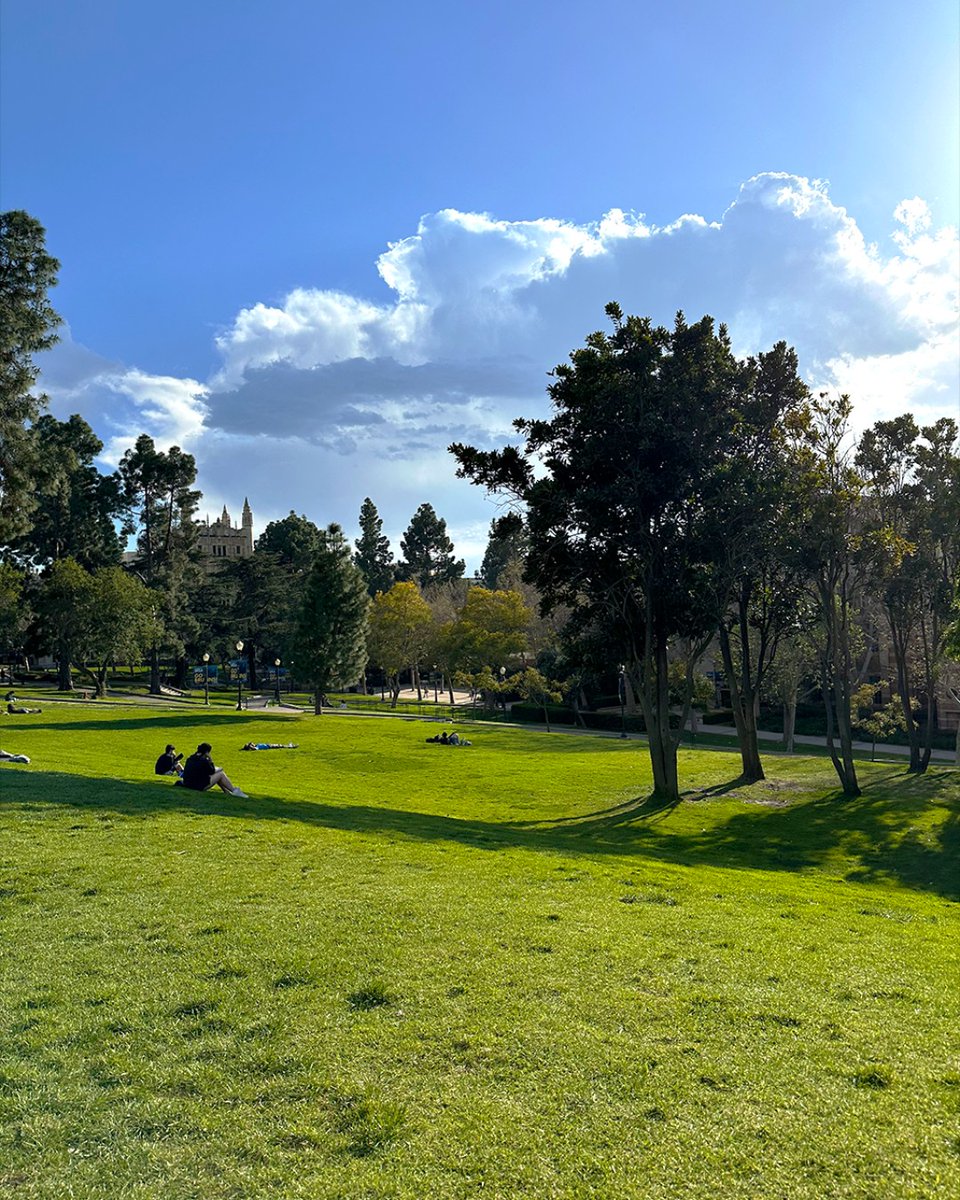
[[862, 748]]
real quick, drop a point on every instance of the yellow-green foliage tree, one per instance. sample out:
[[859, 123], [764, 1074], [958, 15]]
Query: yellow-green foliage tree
[[399, 628], [491, 629]]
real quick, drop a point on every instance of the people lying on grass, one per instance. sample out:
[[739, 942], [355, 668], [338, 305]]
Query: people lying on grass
[[19, 710], [200, 774], [270, 746], [6, 756], [169, 762], [449, 739]]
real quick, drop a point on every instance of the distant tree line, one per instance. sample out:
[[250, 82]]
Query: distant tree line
[[679, 505]]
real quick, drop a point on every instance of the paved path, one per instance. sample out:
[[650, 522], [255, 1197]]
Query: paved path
[[862, 748]]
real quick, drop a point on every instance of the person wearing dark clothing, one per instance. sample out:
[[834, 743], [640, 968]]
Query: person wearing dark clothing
[[15, 710], [200, 774], [169, 762]]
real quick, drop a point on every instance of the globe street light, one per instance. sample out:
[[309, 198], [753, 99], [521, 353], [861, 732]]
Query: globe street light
[[239, 679], [623, 700], [206, 679], [276, 667]]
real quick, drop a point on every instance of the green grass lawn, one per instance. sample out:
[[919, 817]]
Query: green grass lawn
[[404, 970]]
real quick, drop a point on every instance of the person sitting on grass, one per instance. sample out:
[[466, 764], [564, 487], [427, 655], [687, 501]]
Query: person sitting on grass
[[169, 762], [19, 710], [269, 746], [200, 774]]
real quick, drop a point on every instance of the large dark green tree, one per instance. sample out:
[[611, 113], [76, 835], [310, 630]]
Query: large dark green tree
[[330, 637], [28, 325], [836, 559], [755, 508], [78, 510], [506, 548], [14, 610], [64, 613], [257, 601], [162, 505], [294, 541], [374, 556], [913, 489], [623, 488], [428, 555]]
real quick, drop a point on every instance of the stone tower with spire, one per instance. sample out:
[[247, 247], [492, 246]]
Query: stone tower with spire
[[220, 540]]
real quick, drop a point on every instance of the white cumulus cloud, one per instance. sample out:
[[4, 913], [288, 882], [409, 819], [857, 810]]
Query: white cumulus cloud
[[363, 395]]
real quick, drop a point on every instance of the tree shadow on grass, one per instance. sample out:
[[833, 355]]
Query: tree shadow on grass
[[877, 834]]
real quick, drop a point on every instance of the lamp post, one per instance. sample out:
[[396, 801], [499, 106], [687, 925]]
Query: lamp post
[[239, 679], [503, 676], [623, 700], [206, 679], [276, 667]]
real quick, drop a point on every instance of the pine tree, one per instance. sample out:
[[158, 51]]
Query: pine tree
[[374, 557], [77, 509], [293, 541], [506, 547], [27, 325], [427, 550], [330, 640], [162, 505]]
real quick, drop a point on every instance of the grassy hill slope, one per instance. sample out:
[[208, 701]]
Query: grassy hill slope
[[405, 970]]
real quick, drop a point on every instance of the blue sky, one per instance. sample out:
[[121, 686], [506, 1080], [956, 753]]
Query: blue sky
[[314, 243]]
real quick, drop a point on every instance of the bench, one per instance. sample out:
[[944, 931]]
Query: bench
[[256, 701], [166, 690]]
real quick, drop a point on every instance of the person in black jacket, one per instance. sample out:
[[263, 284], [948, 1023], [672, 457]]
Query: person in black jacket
[[169, 762], [200, 773]]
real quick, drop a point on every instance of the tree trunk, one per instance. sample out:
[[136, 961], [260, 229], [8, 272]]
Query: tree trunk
[[154, 671], [836, 700], [927, 750], [251, 653], [415, 679], [64, 674], [546, 718], [836, 683], [789, 722], [182, 674], [654, 693], [318, 702], [899, 639], [394, 690], [744, 704]]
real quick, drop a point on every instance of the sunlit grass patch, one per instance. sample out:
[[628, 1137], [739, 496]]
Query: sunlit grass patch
[[390, 972]]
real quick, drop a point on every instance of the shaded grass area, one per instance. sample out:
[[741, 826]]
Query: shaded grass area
[[407, 970]]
